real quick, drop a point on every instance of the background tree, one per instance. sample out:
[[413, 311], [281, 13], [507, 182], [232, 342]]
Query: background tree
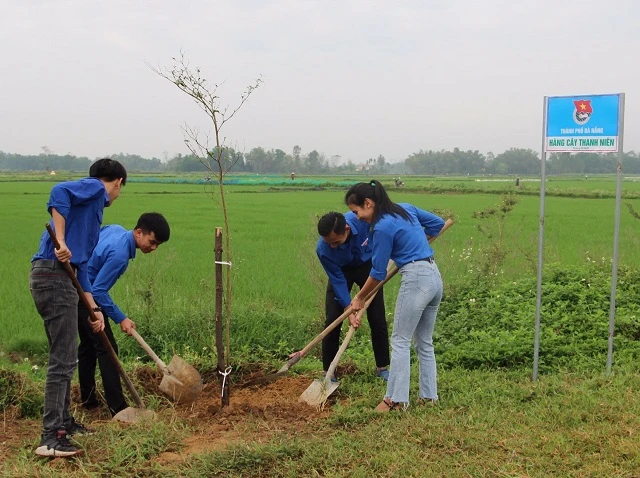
[[296, 157]]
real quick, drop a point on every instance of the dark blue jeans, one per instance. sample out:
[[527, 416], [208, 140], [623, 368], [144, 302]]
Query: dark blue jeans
[[57, 302], [90, 351]]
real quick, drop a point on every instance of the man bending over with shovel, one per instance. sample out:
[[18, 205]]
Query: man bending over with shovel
[[345, 255], [76, 209], [110, 259]]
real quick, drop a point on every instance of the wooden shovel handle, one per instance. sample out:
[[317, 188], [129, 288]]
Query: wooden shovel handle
[[343, 347], [348, 311], [151, 353], [447, 224], [92, 315]]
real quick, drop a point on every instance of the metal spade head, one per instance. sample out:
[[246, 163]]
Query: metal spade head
[[134, 415], [182, 383], [318, 392]]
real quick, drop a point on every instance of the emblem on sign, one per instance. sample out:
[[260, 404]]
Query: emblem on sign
[[583, 111]]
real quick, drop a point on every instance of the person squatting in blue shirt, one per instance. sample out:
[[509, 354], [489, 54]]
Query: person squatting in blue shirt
[[345, 254], [110, 259], [76, 209], [400, 233]]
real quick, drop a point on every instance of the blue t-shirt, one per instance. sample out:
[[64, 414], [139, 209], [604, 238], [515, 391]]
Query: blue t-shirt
[[81, 203], [402, 240], [354, 252], [108, 262]]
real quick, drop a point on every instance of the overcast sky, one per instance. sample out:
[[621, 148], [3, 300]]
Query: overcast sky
[[350, 78]]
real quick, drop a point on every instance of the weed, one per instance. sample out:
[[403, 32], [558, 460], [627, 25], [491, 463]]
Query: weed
[[17, 390]]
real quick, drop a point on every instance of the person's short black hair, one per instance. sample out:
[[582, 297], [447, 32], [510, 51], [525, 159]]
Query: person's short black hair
[[332, 222], [156, 223], [109, 170]]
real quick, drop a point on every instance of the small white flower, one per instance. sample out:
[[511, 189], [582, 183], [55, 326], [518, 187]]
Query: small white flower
[[34, 368], [26, 359]]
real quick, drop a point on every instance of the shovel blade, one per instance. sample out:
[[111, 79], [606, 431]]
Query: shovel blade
[[318, 392], [134, 415], [183, 384]]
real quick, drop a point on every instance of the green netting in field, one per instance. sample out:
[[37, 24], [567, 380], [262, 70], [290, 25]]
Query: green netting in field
[[249, 181]]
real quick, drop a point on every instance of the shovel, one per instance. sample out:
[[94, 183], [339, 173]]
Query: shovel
[[318, 392], [181, 382], [295, 358], [129, 414]]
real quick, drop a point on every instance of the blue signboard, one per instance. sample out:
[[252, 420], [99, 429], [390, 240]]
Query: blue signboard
[[582, 123]]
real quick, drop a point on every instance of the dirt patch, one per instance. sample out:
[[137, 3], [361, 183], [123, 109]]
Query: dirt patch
[[14, 431], [255, 414]]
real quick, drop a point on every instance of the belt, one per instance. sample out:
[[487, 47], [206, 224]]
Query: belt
[[51, 264], [429, 259]]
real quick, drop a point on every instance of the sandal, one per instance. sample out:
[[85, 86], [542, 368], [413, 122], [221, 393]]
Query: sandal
[[388, 405]]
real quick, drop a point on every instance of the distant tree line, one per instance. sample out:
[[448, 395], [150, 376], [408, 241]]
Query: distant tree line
[[276, 161]]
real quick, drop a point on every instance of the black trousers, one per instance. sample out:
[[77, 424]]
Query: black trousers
[[90, 351], [375, 316]]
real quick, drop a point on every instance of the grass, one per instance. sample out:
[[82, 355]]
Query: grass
[[488, 424]]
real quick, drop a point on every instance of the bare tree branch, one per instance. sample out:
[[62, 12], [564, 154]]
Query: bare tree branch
[[208, 148]]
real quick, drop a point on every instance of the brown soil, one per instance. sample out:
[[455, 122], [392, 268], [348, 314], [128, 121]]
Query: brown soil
[[255, 414]]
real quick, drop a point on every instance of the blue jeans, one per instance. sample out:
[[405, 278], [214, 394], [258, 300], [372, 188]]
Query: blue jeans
[[415, 317], [57, 302]]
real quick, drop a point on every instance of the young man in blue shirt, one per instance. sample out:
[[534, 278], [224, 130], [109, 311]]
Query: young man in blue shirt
[[110, 259], [76, 209], [345, 254]]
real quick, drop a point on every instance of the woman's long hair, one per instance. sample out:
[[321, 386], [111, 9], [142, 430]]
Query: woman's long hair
[[374, 191]]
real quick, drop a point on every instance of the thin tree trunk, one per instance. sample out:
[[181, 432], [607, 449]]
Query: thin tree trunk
[[224, 396]]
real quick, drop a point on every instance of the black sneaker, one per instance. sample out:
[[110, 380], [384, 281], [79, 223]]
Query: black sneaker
[[77, 429], [57, 445]]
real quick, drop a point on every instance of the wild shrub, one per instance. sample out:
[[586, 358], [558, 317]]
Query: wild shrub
[[488, 325]]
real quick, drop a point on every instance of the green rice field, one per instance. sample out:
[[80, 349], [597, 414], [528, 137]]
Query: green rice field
[[278, 284]]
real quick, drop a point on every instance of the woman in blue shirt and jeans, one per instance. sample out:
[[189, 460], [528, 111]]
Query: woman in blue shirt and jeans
[[400, 232]]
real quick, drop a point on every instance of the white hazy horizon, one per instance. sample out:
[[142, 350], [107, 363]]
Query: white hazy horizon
[[356, 78]]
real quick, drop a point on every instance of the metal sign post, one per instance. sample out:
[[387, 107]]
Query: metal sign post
[[543, 169], [616, 236]]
